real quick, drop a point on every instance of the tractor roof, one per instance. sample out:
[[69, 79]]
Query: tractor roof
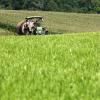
[[34, 17]]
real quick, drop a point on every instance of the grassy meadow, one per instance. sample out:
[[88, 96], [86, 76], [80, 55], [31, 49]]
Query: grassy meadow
[[4, 32], [53, 67], [50, 67], [55, 21]]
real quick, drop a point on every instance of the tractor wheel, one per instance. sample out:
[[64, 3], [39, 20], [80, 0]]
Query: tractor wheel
[[19, 28]]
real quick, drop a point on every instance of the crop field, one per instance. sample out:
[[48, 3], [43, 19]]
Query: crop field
[[54, 21], [63, 66], [53, 67], [4, 32]]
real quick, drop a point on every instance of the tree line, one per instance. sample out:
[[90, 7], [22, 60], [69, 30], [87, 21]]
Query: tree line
[[52, 5]]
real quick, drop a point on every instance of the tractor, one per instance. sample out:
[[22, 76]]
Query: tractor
[[31, 26]]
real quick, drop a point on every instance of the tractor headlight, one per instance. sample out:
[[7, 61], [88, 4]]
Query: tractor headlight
[[39, 30]]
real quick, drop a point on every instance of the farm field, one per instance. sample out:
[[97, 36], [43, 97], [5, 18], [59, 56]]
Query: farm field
[[63, 66], [4, 32], [53, 67], [57, 22]]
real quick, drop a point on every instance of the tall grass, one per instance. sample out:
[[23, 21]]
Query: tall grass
[[4, 32], [59, 67]]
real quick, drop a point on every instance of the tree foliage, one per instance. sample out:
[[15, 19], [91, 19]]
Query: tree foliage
[[53, 5]]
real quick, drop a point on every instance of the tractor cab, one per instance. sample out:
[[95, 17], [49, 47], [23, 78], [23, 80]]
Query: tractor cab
[[37, 20]]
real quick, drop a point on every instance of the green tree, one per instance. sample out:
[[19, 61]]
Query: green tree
[[28, 4], [51, 5]]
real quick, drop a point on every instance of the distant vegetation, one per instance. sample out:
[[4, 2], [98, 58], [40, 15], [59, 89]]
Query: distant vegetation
[[5, 32], [53, 5]]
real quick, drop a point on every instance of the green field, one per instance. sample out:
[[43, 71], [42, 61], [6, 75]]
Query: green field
[[55, 21], [59, 67], [4, 32], [50, 67]]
